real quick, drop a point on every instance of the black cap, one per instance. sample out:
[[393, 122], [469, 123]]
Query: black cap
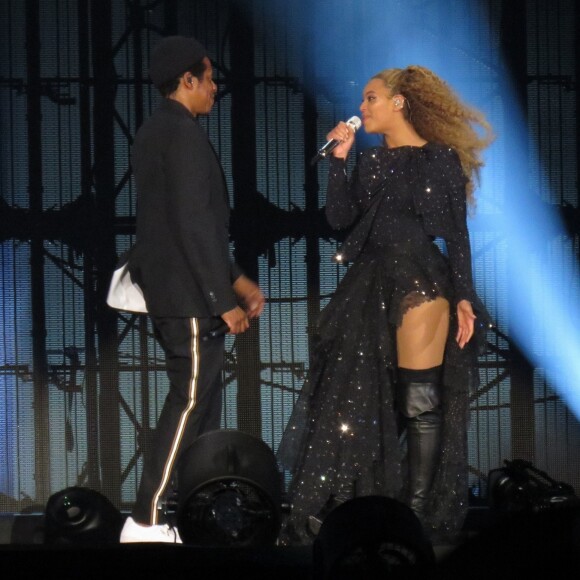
[[172, 56]]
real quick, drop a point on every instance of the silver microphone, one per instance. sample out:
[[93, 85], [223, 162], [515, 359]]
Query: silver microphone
[[354, 123]]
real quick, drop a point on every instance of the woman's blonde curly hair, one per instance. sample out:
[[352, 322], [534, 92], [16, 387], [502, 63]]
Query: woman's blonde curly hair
[[439, 116]]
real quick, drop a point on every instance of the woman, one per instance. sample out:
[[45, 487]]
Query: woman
[[385, 408]]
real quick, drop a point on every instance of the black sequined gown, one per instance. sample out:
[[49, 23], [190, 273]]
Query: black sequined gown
[[342, 438]]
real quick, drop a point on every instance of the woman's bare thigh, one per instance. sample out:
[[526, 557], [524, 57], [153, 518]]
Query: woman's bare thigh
[[422, 336]]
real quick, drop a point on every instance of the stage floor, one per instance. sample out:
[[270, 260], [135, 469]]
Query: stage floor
[[544, 543], [26, 529]]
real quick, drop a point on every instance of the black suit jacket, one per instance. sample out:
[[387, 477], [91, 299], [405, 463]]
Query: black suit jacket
[[181, 258]]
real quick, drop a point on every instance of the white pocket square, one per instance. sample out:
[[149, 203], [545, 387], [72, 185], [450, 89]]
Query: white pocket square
[[124, 294]]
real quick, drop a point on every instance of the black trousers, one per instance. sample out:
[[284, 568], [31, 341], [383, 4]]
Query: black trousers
[[193, 406]]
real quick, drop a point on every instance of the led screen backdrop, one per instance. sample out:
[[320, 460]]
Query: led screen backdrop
[[81, 385]]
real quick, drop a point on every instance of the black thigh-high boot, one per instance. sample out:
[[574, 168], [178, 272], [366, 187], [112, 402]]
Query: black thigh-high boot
[[419, 401]]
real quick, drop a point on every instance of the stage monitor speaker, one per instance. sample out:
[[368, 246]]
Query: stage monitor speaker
[[229, 491], [371, 537], [78, 515]]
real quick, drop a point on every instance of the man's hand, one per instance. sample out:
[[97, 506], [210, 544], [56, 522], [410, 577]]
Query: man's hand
[[250, 296], [237, 320]]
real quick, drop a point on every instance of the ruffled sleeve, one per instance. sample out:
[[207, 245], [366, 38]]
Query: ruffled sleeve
[[441, 201]]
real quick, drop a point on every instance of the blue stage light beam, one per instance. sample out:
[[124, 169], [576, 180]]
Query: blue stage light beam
[[544, 313]]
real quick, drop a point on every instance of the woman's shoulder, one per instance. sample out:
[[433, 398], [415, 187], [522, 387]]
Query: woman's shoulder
[[444, 157], [442, 154], [443, 163], [441, 149]]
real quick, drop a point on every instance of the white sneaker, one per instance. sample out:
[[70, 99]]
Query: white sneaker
[[133, 532]]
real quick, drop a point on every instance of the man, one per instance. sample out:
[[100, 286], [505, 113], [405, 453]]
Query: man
[[182, 264]]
